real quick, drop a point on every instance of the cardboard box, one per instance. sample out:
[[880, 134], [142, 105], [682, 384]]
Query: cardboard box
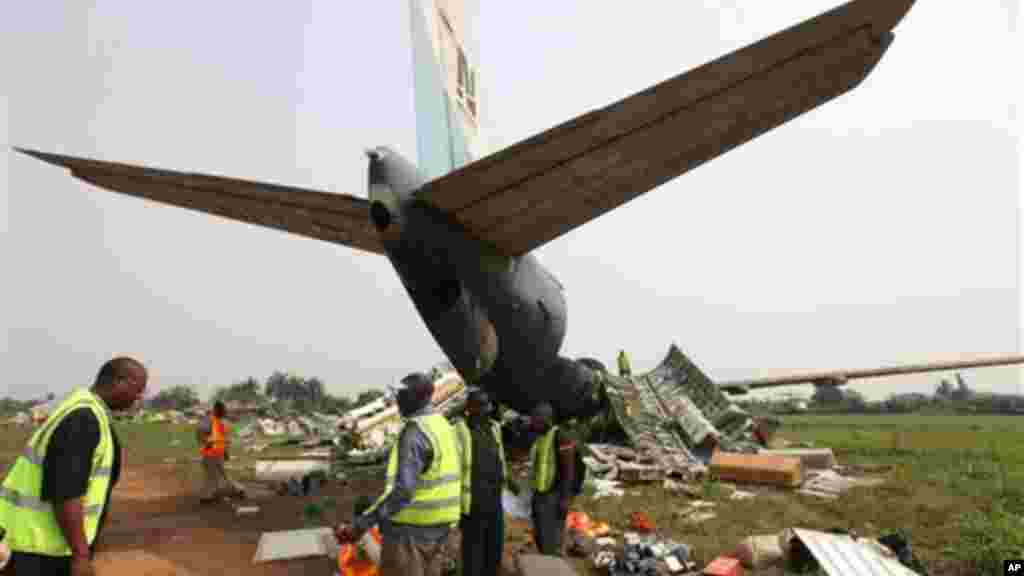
[[757, 469]]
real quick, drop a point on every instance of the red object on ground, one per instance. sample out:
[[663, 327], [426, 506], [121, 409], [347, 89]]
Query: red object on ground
[[641, 523], [724, 566]]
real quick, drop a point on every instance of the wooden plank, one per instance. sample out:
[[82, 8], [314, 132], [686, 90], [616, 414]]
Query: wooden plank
[[553, 204], [478, 180]]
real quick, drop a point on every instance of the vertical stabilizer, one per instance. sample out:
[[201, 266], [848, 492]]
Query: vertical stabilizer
[[446, 82]]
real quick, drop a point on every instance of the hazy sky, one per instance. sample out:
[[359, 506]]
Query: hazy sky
[[881, 228]]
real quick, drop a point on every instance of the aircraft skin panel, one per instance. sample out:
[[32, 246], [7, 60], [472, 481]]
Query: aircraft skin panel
[[444, 83], [535, 191], [335, 218]]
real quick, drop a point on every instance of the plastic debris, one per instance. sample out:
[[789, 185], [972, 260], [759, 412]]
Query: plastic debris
[[640, 522], [724, 566], [760, 552]]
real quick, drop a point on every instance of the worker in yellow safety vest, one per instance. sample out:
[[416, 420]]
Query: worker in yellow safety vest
[[212, 435], [421, 500], [55, 498], [484, 475], [552, 476], [624, 369]]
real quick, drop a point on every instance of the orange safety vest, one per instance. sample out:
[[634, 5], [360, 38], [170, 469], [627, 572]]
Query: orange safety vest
[[350, 563], [218, 438]]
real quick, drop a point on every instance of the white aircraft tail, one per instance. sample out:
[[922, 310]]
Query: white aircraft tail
[[445, 86]]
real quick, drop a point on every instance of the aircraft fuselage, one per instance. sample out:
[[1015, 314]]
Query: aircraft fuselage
[[501, 321]]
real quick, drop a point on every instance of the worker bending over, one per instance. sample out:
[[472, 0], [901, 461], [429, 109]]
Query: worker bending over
[[421, 500], [55, 498]]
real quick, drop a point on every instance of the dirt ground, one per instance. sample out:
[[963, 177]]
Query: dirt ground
[[157, 527]]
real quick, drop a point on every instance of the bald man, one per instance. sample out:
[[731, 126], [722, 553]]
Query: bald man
[[56, 496]]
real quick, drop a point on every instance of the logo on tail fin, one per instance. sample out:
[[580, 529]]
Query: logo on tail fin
[[445, 83]]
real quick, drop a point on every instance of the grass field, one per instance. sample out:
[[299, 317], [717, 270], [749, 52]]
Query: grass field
[[975, 462], [956, 487]]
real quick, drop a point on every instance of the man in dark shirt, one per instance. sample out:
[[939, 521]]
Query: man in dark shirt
[[67, 467], [550, 508], [483, 528]]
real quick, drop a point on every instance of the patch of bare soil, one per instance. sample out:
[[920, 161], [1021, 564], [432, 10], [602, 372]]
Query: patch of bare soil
[[157, 526]]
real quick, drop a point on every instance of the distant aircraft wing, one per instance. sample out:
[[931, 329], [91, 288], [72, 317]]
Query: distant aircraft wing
[[543, 187], [838, 377], [337, 218]]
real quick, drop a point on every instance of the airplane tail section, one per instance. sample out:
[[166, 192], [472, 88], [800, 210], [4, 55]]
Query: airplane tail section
[[445, 85]]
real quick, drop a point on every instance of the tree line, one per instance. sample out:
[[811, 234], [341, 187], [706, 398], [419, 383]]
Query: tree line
[[281, 388]]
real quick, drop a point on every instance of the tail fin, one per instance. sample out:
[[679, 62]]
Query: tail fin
[[445, 84]]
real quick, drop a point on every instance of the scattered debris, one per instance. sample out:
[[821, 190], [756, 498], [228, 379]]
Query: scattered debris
[[246, 510], [641, 523], [517, 507], [741, 495], [290, 544], [681, 489], [674, 565], [603, 488], [277, 471], [829, 484], [602, 559], [581, 523], [757, 469], [834, 553], [724, 566], [759, 552], [696, 512], [810, 458]]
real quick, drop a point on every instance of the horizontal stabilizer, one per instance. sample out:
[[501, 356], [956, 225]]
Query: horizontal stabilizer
[[336, 218], [535, 191]]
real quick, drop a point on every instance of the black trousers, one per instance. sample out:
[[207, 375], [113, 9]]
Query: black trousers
[[483, 541], [23, 564], [548, 522]]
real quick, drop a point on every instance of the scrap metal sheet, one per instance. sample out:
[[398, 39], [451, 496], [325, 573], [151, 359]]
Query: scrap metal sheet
[[291, 544], [840, 555]]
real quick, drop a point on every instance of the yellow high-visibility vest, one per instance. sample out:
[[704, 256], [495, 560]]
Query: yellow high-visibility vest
[[466, 446], [31, 523], [542, 461], [623, 364], [217, 438], [436, 500]]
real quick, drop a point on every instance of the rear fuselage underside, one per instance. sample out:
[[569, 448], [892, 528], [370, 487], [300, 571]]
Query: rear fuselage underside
[[500, 320]]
